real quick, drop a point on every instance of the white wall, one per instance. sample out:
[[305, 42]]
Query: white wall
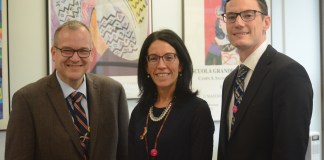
[[302, 41], [295, 31], [27, 42]]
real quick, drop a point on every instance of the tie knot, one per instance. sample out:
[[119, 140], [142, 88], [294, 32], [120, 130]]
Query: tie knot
[[242, 71], [76, 96]]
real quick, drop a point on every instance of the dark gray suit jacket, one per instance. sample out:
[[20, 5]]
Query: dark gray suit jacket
[[41, 128], [274, 116]]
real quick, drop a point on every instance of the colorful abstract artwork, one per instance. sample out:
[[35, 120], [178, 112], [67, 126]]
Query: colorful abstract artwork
[[118, 27], [1, 86], [4, 69], [218, 50]]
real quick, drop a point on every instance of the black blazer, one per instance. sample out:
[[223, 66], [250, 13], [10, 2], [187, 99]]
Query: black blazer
[[275, 113]]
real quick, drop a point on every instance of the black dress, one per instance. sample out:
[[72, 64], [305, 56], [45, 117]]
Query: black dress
[[187, 133]]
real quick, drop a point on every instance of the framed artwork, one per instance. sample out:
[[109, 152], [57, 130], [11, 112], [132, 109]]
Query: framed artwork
[[213, 56], [4, 67], [118, 27]]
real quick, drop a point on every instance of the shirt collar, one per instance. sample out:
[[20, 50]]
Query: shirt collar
[[67, 90], [252, 60]]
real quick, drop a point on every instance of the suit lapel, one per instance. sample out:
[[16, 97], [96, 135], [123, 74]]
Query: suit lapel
[[260, 72], [227, 96], [59, 104], [94, 109], [228, 91]]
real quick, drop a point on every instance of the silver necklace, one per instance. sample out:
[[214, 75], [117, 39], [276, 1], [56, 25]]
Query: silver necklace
[[159, 118]]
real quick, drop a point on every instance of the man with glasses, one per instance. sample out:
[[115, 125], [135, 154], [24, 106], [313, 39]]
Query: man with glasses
[[69, 114], [267, 101]]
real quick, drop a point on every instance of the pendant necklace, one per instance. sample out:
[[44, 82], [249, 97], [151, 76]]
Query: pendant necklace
[[154, 152]]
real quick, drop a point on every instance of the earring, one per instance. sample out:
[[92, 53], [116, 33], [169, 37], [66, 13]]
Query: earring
[[148, 76], [180, 74]]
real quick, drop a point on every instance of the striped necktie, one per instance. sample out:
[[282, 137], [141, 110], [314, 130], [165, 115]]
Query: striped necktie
[[80, 121], [238, 90]]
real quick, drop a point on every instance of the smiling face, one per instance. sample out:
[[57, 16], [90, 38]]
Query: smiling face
[[72, 69], [163, 75], [246, 36]]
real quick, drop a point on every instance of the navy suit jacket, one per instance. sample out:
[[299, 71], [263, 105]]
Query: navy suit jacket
[[41, 128], [274, 116]]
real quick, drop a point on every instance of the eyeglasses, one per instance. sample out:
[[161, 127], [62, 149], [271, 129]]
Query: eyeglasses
[[246, 16], [168, 58], [82, 53]]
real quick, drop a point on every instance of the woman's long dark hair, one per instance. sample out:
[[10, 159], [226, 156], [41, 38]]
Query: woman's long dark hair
[[148, 91]]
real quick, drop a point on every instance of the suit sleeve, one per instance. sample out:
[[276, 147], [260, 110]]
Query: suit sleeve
[[131, 139], [20, 136], [123, 120], [202, 133], [292, 110]]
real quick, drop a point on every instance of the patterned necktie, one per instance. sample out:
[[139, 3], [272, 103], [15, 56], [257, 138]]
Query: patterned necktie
[[80, 121], [238, 90]]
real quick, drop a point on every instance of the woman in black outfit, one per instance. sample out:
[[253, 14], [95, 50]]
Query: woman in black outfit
[[169, 122]]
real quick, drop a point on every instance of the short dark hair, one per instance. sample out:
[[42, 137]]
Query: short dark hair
[[262, 4], [148, 91], [73, 25]]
